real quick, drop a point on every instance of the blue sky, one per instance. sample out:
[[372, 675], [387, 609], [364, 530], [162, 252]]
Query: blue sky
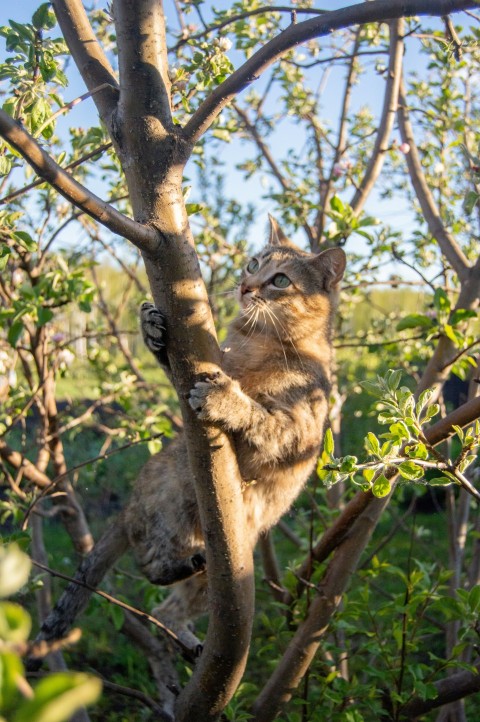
[[245, 191]]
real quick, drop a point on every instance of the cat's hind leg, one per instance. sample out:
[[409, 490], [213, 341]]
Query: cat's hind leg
[[186, 602]]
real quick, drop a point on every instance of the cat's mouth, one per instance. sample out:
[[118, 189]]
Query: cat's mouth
[[247, 300]]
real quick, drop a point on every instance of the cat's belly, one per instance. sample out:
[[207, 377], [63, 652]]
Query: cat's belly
[[273, 492]]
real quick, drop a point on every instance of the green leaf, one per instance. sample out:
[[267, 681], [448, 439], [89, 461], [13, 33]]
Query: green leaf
[[368, 474], [420, 451], [474, 598], [14, 333], [431, 412], [5, 253], [470, 201], [372, 444], [393, 378], [118, 616], [441, 300], [372, 388], [453, 335], [11, 669], [14, 569], [462, 314], [25, 240], [44, 17], [328, 443], [5, 165], [348, 464], [15, 622], [25, 31], [381, 486], [414, 320], [411, 471], [337, 205], [193, 208], [423, 400], [440, 481], [58, 696], [44, 315]]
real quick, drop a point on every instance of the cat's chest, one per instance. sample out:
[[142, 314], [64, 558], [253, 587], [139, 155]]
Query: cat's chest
[[257, 383]]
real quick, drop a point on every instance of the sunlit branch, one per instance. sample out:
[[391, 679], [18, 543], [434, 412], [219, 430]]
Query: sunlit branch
[[387, 119], [448, 245], [142, 236], [267, 10], [74, 164], [88, 55], [377, 11]]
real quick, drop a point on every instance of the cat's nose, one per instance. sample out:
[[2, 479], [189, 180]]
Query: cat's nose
[[245, 288]]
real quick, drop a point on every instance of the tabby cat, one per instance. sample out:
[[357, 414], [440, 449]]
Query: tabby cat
[[271, 396]]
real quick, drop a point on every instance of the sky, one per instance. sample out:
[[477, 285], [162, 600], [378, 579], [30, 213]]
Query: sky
[[245, 191]]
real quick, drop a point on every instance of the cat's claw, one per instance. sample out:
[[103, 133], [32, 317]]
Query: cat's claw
[[153, 327], [202, 396]]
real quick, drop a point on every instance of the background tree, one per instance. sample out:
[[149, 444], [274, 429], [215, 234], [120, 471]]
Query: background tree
[[155, 115]]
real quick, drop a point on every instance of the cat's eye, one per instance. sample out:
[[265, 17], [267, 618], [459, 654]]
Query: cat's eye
[[281, 281], [252, 265]]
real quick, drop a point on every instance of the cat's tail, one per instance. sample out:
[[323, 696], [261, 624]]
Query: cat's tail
[[110, 547]]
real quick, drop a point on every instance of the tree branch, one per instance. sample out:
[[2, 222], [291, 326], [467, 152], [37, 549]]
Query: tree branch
[[376, 11], [457, 686], [153, 155], [88, 55], [389, 110], [143, 62], [141, 236], [267, 155], [74, 164], [349, 540], [118, 603], [449, 247]]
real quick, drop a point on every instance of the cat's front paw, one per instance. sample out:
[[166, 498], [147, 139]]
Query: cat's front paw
[[152, 322], [209, 398]]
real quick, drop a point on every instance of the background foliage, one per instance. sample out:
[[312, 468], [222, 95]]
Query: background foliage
[[83, 405]]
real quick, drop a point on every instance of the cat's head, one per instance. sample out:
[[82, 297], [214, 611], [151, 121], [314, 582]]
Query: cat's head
[[283, 287]]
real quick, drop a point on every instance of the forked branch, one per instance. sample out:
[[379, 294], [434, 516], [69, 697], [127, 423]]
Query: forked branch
[[448, 245], [43, 164], [376, 11], [359, 518]]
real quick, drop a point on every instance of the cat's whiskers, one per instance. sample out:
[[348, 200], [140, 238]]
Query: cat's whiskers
[[267, 310], [223, 293], [251, 311], [291, 342]]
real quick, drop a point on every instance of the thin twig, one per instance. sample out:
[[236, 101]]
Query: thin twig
[[186, 651], [101, 457]]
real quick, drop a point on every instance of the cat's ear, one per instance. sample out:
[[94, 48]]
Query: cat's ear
[[277, 236], [332, 264]]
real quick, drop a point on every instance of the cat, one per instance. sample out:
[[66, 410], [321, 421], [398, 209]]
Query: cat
[[271, 395]]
